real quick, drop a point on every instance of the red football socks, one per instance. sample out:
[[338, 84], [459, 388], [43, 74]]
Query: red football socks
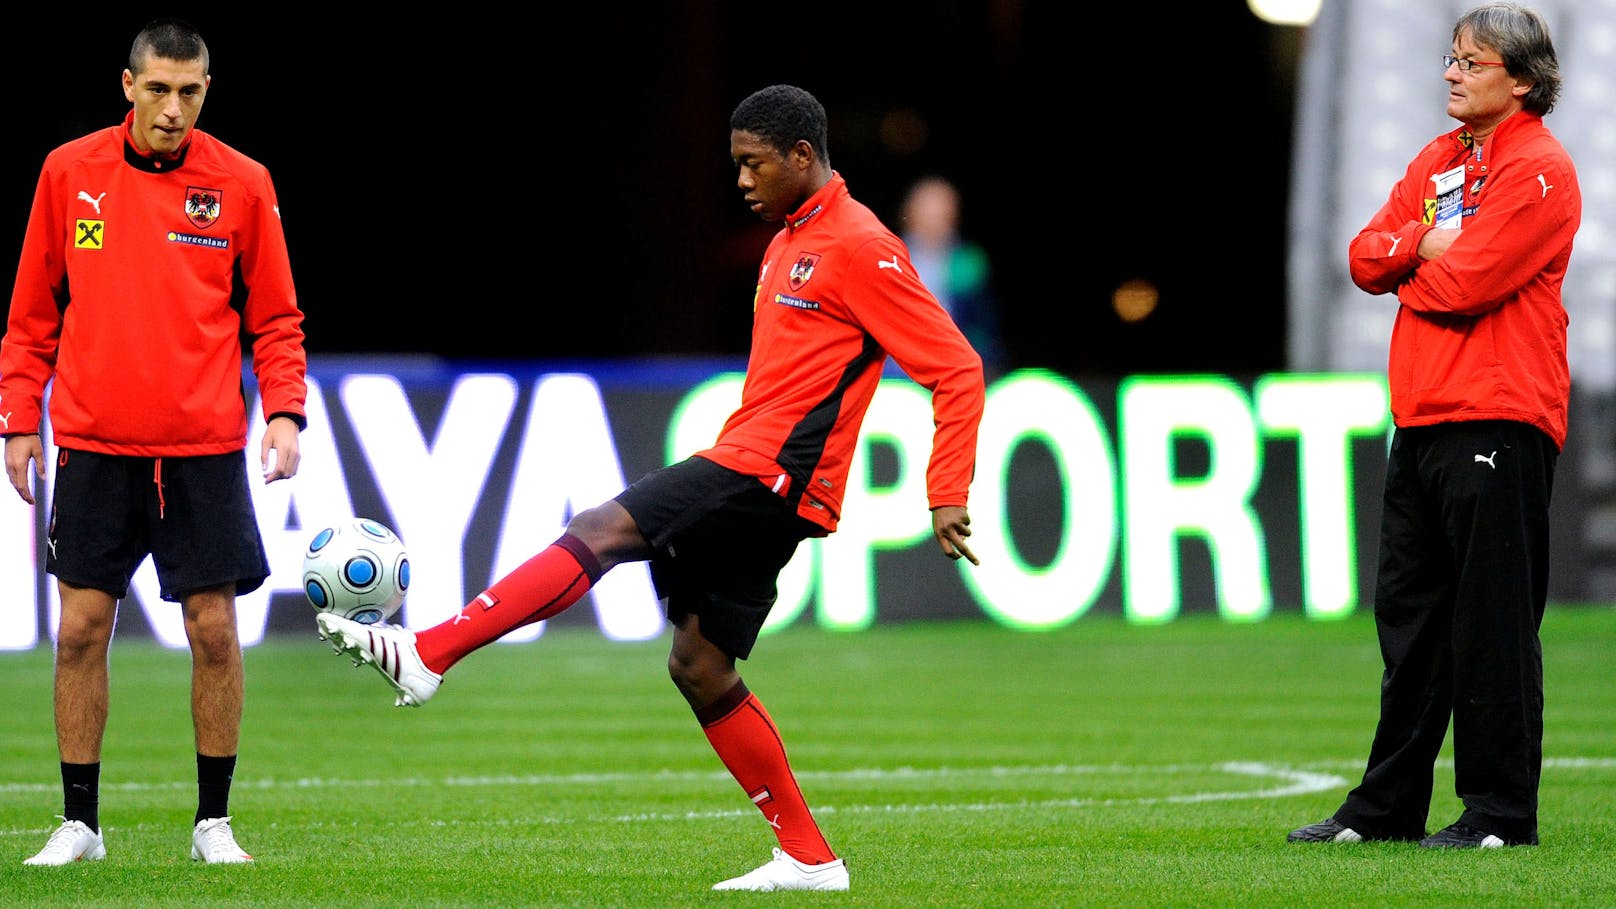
[[746, 740], [543, 586]]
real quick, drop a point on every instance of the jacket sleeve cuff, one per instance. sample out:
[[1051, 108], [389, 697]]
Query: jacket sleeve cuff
[[301, 421]]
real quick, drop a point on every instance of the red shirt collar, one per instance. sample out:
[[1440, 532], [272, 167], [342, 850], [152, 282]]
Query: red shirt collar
[[835, 188], [128, 138]]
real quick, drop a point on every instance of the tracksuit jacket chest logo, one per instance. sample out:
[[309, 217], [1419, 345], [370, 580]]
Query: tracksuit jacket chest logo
[[87, 233], [202, 205], [803, 269]]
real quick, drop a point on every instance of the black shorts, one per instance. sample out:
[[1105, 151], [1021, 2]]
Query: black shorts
[[721, 538], [193, 515]]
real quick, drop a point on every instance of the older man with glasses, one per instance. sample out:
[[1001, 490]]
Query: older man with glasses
[[1473, 241]]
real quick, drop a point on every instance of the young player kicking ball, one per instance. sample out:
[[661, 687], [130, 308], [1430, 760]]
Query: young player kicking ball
[[836, 296]]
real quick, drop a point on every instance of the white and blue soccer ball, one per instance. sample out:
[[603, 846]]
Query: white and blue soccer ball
[[356, 569]]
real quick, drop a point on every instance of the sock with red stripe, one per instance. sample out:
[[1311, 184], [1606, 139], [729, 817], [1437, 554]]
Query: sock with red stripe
[[748, 743], [542, 587]]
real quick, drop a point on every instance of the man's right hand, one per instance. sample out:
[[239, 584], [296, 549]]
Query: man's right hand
[[20, 450], [951, 524]]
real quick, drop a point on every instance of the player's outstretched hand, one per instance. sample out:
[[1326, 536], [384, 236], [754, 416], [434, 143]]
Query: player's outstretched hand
[[952, 524]]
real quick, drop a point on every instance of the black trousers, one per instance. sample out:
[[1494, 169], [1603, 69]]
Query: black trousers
[[1459, 599]]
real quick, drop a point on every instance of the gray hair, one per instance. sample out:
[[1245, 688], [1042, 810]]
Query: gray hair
[[1521, 37]]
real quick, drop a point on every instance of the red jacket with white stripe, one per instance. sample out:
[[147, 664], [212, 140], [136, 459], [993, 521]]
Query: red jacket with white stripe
[[1481, 332]]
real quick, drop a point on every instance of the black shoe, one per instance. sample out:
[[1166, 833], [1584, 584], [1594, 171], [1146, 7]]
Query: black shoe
[[1328, 830], [1459, 835]]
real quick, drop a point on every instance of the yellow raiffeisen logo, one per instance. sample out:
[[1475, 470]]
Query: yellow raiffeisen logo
[[1430, 211], [89, 234]]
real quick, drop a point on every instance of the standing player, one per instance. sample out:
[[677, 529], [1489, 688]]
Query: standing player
[[836, 296], [152, 250], [1474, 241]]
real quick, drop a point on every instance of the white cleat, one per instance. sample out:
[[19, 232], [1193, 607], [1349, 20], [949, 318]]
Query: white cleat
[[213, 842], [786, 873], [74, 841], [389, 648]]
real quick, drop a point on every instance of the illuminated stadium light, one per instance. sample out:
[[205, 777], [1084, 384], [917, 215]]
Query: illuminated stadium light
[[1285, 12], [1135, 299]]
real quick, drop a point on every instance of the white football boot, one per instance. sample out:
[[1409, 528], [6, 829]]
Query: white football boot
[[74, 841], [213, 842], [786, 873], [389, 648]]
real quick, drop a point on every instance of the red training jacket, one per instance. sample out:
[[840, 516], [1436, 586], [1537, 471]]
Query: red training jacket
[[836, 295], [124, 295], [1481, 332]]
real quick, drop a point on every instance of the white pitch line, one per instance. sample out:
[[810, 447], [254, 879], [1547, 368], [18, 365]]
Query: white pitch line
[[880, 775], [1291, 781], [1299, 783], [893, 774]]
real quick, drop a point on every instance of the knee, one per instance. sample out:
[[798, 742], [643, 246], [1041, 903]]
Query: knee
[[686, 673], [608, 531], [700, 680], [210, 624], [82, 637], [216, 641]]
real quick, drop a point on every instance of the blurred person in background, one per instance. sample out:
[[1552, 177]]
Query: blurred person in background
[[1473, 241], [954, 269], [836, 296], [153, 253]]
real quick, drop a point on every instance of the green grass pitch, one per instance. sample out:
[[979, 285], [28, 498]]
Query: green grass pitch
[[952, 764]]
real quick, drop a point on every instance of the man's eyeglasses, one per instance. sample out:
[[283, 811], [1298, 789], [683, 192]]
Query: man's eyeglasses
[[1465, 64]]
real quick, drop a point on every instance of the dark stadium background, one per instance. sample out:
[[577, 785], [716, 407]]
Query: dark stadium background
[[556, 183]]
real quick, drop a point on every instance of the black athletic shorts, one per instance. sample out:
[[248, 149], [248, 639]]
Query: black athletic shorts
[[721, 538], [193, 515]]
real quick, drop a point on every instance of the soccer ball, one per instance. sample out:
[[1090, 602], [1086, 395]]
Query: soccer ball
[[357, 569]]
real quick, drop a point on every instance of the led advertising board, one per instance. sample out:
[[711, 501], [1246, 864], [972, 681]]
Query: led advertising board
[[1148, 496]]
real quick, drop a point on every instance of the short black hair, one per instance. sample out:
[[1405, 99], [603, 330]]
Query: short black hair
[[782, 115], [169, 39]]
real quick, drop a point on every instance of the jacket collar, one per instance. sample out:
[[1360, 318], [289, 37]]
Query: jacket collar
[[833, 191], [1506, 126], [153, 164]]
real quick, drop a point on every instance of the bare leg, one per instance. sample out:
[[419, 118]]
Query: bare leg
[[216, 670], [83, 637], [82, 640], [702, 671]]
